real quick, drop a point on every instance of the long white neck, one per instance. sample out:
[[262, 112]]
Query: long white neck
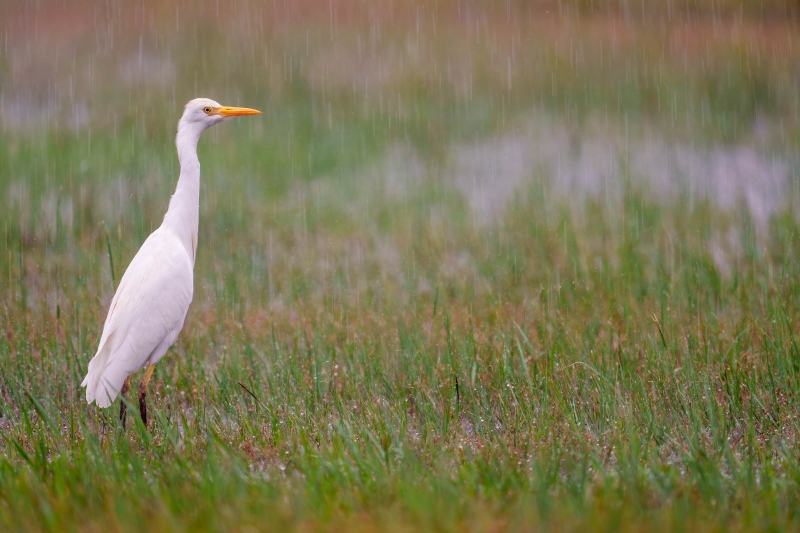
[[183, 215]]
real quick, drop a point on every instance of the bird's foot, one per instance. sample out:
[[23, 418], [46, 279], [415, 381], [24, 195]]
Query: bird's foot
[[143, 405], [123, 407], [123, 412], [143, 393]]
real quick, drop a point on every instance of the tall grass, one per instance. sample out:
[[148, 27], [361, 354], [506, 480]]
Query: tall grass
[[364, 350]]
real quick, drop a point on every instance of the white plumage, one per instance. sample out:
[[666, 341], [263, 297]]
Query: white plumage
[[145, 316], [150, 305]]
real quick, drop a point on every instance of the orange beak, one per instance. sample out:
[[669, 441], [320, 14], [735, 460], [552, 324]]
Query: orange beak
[[236, 111]]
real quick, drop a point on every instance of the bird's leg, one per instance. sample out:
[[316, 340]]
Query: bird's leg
[[143, 393], [123, 408]]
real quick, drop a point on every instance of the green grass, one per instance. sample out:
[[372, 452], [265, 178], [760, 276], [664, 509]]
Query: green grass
[[368, 351]]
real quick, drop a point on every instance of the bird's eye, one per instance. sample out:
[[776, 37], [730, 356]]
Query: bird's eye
[[207, 110]]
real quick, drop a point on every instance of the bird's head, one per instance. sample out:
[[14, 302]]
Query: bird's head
[[202, 113]]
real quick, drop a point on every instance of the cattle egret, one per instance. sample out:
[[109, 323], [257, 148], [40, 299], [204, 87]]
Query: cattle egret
[[152, 299]]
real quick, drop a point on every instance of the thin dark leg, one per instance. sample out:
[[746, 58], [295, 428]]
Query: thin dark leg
[[123, 408], [143, 393]]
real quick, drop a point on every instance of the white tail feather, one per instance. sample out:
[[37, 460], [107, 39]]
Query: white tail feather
[[100, 386]]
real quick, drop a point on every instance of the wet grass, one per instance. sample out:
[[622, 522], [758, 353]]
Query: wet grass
[[364, 351]]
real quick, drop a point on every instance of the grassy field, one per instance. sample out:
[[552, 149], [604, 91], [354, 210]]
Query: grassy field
[[478, 266]]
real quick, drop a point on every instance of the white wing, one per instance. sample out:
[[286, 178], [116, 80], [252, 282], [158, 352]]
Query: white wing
[[148, 309]]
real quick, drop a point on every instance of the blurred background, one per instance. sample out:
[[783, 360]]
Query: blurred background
[[474, 256], [416, 145]]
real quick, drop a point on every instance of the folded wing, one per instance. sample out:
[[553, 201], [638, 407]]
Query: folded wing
[[149, 307]]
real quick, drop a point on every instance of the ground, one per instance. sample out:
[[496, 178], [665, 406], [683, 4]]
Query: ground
[[477, 266]]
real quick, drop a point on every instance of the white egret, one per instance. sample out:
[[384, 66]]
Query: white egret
[[152, 299]]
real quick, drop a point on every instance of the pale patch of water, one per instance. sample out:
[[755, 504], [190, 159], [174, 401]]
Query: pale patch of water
[[601, 165]]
